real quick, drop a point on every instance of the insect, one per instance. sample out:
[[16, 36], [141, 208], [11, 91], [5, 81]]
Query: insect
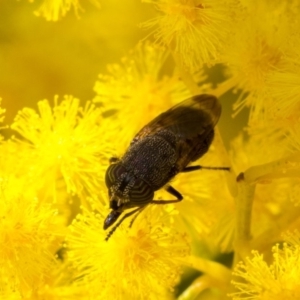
[[160, 150]]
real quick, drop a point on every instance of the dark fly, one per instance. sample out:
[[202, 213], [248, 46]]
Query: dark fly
[[163, 148]]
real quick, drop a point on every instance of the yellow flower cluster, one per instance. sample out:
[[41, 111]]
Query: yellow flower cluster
[[279, 280], [196, 29], [228, 238], [64, 143], [133, 262]]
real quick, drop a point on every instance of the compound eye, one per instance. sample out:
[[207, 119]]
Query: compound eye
[[113, 173], [141, 193]]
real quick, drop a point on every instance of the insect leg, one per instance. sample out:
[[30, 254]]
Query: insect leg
[[134, 218], [113, 160], [194, 168], [173, 192], [119, 223]]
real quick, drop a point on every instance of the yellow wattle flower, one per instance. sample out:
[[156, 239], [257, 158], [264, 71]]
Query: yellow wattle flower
[[262, 281], [194, 30], [283, 87], [29, 237], [255, 52], [66, 142], [141, 262]]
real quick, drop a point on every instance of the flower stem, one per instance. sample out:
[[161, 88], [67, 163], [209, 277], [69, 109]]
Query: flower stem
[[244, 201], [198, 286], [285, 167], [211, 268]]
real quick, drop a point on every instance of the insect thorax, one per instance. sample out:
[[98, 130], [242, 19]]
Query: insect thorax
[[153, 159]]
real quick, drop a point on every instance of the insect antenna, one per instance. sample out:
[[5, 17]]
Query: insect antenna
[[134, 218], [120, 222], [194, 168]]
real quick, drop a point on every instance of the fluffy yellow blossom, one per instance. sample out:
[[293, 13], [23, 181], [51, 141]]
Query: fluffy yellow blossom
[[256, 55], [58, 285], [15, 179], [194, 30], [283, 87], [280, 112], [66, 141], [142, 262], [279, 280], [29, 234]]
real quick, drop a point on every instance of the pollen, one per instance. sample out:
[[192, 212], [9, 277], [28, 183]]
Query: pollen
[[193, 30], [283, 86], [64, 142], [277, 281], [255, 52], [141, 262], [29, 238]]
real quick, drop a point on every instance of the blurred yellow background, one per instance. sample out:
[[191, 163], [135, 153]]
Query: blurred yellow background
[[40, 59]]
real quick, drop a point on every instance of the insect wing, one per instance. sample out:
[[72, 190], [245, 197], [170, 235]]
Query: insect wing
[[192, 121], [194, 116]]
